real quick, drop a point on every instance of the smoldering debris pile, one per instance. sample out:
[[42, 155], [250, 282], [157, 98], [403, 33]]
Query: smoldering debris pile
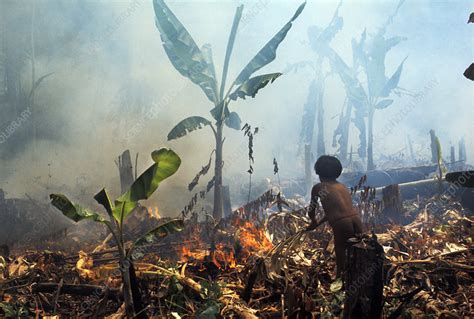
[[246, 269]]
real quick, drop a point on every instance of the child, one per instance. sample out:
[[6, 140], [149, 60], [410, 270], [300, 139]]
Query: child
[[337, 205]]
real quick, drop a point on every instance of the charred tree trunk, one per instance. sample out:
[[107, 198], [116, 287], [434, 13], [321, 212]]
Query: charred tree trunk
[[462, 151], [410, 149], [226, 203], [125, 170], [434, 147], [309, 116], [217, 213], [453, 156], [364, 279], [321, 147], [344, 139], [33, 75], [307, 168]]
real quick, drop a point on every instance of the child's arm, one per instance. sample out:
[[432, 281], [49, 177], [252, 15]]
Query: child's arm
[[312, 209]]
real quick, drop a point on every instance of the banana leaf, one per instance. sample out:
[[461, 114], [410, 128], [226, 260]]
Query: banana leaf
[[268, 53], [230, 47], [216, 112], [392, 83], [233, 121], [183, 51], [187, 126], [74, 211], [253, 85], [103, 198], [207, 53], [173, 226], [166, 164], [355, 91], [384, 104], [204, 170]]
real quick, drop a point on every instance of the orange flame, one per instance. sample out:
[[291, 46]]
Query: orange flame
[[248, 236]]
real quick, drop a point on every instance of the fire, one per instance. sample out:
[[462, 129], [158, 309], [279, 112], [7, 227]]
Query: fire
[[252, 238], [248, 239], [153, 212]]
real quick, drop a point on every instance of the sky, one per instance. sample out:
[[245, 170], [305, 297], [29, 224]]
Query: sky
[[114, 53]]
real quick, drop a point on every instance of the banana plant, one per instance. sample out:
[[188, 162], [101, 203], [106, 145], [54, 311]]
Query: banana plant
[[369, 57], [197, 64], [166, 163]]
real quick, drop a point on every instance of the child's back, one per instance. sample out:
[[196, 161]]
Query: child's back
[[335, 199], [337, 204]]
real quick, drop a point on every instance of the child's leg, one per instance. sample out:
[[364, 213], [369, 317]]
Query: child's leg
[[343, 230], [357, 225]]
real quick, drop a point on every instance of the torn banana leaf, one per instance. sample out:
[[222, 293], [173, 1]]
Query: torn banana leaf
[[173, 226], [183, 51], [253, 85], [186, 126], [73, 211], [268, 53]]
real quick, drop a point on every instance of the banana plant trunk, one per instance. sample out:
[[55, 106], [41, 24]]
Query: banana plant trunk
[[370, 142], [321, 147], [217, 213], [127, 288], [345, 133]]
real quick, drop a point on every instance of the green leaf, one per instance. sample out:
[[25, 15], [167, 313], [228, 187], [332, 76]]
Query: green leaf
[[183, 51], [207, 54], [268, 53], [103, 198], [392, 83], [384, 104], [173, 226], [216, 112], [186, 126], [253, 85], [73, 211], [230, 46], [166, 164], [233, 121]]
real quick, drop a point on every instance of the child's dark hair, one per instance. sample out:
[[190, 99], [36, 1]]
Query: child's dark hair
[[328, 167]]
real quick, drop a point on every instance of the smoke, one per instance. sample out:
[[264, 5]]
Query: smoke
[[113, 88]]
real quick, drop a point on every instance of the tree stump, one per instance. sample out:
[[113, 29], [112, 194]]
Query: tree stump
[[392, 204], [363, 279]]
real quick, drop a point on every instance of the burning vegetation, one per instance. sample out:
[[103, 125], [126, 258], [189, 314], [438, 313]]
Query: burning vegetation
[[243, 267]]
